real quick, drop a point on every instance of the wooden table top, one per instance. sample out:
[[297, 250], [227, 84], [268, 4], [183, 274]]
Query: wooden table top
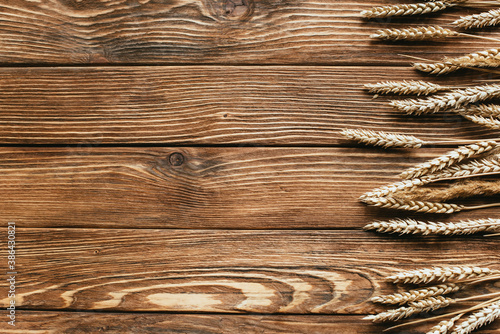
[[176, 166]]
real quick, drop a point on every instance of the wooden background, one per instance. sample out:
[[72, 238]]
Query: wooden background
[[174, 166]]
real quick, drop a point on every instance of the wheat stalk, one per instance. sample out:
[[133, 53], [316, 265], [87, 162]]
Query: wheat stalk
[[492, 123], [477, 167], [443, 327], [420, 306], [417, 294], [478, 319], [490, 18], [417, 206], [415, 33], [394, 187], [485, 110], [448, 159], [384, 139], [487, 58], [453, 99], [405, 9], [410, 87], [411, 226], [442, 274]]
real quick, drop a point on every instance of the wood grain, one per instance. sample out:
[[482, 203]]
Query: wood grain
[[209, 31], [223, 271], [50, 322], [209, 106], [251, 188]]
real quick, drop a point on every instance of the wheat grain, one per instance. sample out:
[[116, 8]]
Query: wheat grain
[[417, 206], [490, 18], [417, 294], [421, 306], [411, 226], [384, 139], [453, 99], [485, 110], [444, 326], [393, 187], [478, 319], [490, 122], [442, 274], [415, 33], [448, 159], [410, 87], [487, 58], [435, 68], [488, 165], [406, 9]]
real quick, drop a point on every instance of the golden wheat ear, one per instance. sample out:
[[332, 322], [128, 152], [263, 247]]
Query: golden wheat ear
[[486, 19], [406, 9]]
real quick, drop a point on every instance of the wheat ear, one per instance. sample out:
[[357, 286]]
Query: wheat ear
[[448, 159], [443, 327], [417, 294], [453, 99], [492, 123], [478, 319], [420, 306], [417, 206], [477, 167], [384, 139], [485, 110], [394, 187], [487, 58], [490, 18], [407, 87], [442, 274], [415, 33], [405, 9], [411, 226]]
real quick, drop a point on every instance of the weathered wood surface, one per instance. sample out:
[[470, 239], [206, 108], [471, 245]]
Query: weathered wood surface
[[221, 271], [52, 322], [285, 105], [209, 31], [250, 188]]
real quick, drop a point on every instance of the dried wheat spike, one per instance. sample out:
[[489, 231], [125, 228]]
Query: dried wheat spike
[[406, 9], [478, 319], [393, 187], [418, 294], [486, 19], [448, 159], [444, 326], [442, 274], [435, 68], [421, 306], [417, 206], [490, 122], [485, 110], [415, 34], [487, 58], [384, 139], [410, 87], [411, 226], [453, 99], [491, 164]]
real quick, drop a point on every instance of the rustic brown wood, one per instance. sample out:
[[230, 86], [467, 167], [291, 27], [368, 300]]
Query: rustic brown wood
[[209, 31], [209, 105], [251, 188], [118, 323], [221, 271]]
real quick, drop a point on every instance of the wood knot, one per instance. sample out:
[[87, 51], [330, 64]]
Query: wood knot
[[238, 9], [176, 159]]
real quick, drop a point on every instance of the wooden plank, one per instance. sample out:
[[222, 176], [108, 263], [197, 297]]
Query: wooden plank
[[208, 105], [221, 32], [251, 188], [224, 271], [49, 322]]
